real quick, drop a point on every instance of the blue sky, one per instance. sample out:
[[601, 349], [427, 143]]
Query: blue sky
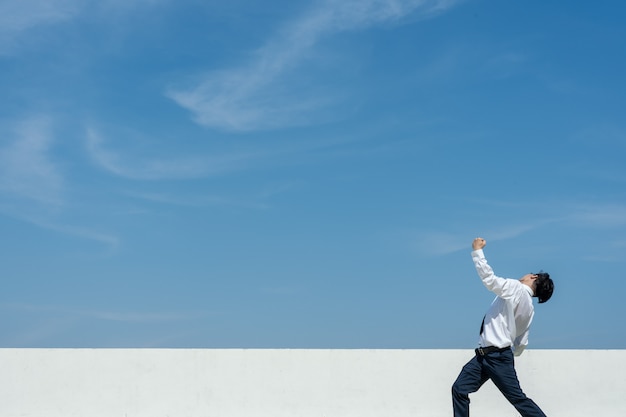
[[308, 174]]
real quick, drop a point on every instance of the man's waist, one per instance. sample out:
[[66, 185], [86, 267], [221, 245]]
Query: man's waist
[[482, 351]]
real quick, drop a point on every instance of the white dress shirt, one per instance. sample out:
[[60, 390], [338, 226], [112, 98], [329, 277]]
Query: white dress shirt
[[507, 321]]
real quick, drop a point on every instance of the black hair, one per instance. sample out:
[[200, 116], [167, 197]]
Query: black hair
[[544, 286]]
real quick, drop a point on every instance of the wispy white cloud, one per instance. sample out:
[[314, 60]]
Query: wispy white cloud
[[443, 243], [439, 243], [110, 315], [142, 317], [203, 200], [570, 215], [107, 239], [46, 328], [166, 167], [254, 96], [139, 165], [599, 215], [20, 16], [44, 323], [32, 184], [27, 170]]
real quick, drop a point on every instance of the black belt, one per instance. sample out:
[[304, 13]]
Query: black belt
[[482, 351]]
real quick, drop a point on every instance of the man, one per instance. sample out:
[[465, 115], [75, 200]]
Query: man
[[503, 334]]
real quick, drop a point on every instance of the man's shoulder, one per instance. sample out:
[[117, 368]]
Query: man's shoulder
[[525, 294]]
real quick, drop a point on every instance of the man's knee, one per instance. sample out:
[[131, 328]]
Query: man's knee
[[515, 396], [458, 391]]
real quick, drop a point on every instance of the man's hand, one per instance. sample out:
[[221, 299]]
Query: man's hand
[[478, 243]]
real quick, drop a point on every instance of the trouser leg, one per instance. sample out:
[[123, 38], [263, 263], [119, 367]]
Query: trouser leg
[[471, 378], [501, 370]]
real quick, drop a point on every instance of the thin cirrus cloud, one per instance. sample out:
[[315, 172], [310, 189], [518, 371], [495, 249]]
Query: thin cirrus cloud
[[27, 170], [441, 243], [107, 239], [109, 315], [195, 200], [32, 184], [131, 167], [17, 17], [135, 165], [50, 320], [255, 96], [572, 216], [605, 216]]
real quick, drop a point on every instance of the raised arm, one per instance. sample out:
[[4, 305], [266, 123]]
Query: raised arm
[[503, 287]]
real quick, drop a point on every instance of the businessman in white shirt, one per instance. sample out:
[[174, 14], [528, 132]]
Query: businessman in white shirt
[[503, 335]]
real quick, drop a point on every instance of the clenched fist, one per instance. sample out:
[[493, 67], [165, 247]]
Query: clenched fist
[[478, 243]]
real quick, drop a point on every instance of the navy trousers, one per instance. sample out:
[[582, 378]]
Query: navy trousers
[[500, 368]]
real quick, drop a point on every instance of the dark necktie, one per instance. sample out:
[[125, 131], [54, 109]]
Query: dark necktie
[[482, 325]]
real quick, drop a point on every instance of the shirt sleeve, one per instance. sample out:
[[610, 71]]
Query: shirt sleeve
[[520, 343], [526, 312], [503, 287]]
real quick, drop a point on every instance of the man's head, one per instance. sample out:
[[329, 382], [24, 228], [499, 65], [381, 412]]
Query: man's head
[[544, 286], [541, 284]]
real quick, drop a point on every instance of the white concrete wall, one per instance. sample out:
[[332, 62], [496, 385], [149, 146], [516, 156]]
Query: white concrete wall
[[294, 383]]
